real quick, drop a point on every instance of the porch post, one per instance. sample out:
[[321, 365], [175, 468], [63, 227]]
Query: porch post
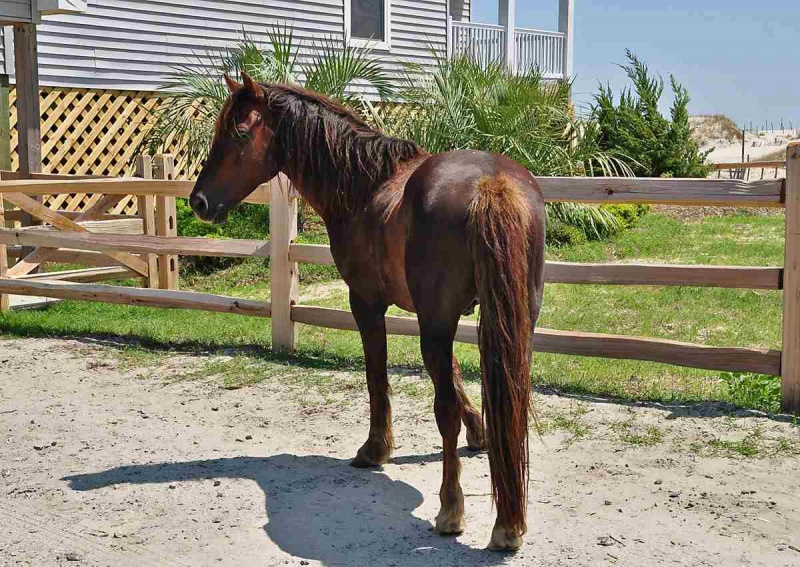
[[566, 25], [506, 14]]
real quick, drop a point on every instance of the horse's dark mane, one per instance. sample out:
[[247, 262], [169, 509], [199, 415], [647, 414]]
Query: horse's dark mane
[[331, 151]]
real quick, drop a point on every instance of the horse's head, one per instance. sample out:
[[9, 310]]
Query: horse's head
[[242, 153]]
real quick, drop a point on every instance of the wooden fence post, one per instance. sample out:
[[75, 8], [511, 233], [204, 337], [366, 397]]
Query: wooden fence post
[[166, 223], [5, 299], [146, 206], [790, 357], [284, 274]]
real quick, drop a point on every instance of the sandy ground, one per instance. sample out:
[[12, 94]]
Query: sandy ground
[[101, 464]]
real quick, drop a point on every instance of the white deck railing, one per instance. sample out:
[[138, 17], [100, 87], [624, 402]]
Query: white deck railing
[[542, 50], [534, 49], [483, 42]]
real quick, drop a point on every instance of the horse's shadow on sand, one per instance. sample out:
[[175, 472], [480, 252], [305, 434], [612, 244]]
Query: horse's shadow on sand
[[319, 508]]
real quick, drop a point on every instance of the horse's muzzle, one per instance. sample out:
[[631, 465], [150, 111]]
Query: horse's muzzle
[[206, 211]]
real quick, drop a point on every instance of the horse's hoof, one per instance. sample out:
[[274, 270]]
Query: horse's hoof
[[505, 539], [475, 440], [449, 526], [368, 458]]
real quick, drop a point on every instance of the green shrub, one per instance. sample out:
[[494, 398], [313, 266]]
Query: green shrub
[[652, 145], [562, 234], [627, 215]]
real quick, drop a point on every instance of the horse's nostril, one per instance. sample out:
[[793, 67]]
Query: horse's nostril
[[199, 203]]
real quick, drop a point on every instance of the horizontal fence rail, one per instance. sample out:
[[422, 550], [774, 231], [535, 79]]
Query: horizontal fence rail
[[101, 241], [141, 244], [742, 277], [750, 164], [731, 192], [137, 296], [577, 343]]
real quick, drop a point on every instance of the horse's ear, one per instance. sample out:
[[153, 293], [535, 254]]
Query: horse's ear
[[252, 88], [233, 86]]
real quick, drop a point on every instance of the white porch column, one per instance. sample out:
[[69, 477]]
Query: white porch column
[[566, 25], [505, 16]]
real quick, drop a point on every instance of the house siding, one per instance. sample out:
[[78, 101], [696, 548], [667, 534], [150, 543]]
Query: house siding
[[132, 45]]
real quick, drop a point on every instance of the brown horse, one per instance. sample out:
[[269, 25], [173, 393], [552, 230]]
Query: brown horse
[[433, 234]]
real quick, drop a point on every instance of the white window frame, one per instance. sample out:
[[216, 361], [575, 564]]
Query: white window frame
[[385, 44]]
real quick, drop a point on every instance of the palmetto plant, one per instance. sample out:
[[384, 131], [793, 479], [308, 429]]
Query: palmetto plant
[[463, 104], [196, 92]]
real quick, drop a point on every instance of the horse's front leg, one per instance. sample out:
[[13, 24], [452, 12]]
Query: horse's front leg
[[370, 318]]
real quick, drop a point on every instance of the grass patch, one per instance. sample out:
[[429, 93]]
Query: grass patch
[[720, 317], [570, 422], [630, 432], [755, 444]]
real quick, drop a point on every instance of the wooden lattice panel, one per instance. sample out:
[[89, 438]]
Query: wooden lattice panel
[[95, 132]]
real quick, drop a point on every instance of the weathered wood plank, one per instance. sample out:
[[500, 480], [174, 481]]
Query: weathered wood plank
[[582, 344], [16, 214], [85, 275], [311, 254], [129, 225], [169, 299], [41, 212], [142, 244], [284, 278], [71, 256], [730, 192], [28, 111], [166, 223], [742, 277], [749, 165], [724, 192], [790, 364], [117, 186], [146, 207], [5, 300]]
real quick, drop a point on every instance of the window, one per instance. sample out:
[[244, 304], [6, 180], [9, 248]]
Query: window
[[367, 22]]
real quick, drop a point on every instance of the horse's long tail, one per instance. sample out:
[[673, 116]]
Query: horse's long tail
[[499, 227]]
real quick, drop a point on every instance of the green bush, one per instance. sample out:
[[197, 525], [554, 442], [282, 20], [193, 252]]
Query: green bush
[[563, 234], [652, 145], [627, 215]]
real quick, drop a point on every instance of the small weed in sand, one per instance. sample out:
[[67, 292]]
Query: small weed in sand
[[572, 423], [756, 444], [630, 432]]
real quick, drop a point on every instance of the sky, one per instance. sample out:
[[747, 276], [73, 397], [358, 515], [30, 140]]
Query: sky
[[740, 58]]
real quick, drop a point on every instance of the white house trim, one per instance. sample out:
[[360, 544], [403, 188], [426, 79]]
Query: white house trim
[[386, 44]]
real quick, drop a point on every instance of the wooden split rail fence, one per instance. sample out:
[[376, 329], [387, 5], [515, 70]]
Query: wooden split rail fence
[[741, 170], [80, 237]]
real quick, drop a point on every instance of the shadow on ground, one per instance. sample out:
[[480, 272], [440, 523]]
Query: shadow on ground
[[319, 508], [675, 410]]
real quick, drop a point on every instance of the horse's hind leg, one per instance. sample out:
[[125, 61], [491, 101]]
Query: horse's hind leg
[[472, 418], [437, 351]]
